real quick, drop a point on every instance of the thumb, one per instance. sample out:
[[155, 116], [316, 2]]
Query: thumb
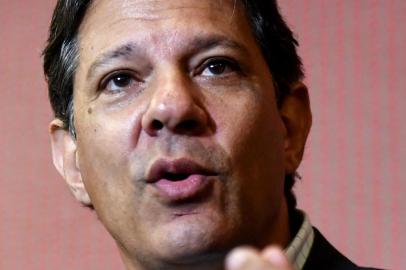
[[277, 258]]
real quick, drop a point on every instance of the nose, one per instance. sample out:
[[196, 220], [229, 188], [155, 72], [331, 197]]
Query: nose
[[175, 107]]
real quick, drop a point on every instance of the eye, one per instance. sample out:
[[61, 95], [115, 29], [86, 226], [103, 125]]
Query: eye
[[218, 67], [117, 82]]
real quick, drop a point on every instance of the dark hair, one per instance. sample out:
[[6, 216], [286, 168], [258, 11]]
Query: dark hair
[[276, 41]]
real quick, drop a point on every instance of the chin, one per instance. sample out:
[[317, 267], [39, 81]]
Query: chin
[[192, 238]]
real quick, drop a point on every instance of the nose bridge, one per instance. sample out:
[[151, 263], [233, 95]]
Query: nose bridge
[[172, 91], [174, 104]]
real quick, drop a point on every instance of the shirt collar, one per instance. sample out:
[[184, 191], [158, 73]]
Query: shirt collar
[[299, 249]]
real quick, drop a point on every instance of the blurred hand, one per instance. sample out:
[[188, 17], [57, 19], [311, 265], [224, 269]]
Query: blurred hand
[[247, 258]]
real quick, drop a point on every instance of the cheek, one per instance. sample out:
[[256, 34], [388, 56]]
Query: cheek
[[106, 171], [108, 133], [257, 148], [249, 126], [104, 152], [252, 133]]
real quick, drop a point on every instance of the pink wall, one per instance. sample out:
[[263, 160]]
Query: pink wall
[[355, 57], [354, 53]]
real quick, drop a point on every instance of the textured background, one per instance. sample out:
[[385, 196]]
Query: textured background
[[354, 53]]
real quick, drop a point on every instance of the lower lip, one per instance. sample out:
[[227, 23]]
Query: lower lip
[[183, 189]]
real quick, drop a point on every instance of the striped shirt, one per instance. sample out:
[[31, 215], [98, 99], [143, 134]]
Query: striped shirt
[[299, 249]]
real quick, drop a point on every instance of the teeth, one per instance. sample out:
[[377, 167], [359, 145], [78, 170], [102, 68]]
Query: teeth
[[175, 176]]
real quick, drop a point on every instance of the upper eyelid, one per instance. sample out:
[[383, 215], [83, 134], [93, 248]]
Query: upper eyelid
[[205, 63], [218, 58], [200, 67], [106, 78]]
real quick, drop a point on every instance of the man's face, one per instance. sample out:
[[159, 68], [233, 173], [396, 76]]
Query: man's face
[[179, 140]]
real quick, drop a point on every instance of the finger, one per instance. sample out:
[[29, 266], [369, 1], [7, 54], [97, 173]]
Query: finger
[[245, 258], [277, 258]]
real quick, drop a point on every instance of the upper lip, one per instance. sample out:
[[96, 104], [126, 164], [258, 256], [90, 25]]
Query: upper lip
[[162, 169]]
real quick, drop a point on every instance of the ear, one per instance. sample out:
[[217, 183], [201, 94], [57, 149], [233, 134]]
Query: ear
[[65, 159], [296, 115]]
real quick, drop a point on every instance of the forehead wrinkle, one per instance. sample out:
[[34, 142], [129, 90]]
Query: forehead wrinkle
[[141, 7], [197, 44], [189, 46], [149, 10]]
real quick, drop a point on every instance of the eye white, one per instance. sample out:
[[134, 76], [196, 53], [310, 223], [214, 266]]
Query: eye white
[[215, 68], [119, 82]]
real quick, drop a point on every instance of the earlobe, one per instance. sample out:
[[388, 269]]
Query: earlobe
[[65, 159], [296, 115]]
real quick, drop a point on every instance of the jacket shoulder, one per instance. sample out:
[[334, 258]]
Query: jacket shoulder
[[324, 256]]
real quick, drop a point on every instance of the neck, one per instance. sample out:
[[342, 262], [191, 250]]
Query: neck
[[279, 234]]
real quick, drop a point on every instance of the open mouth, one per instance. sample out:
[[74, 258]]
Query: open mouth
[[178, 179], [176, 170], [175, 176]]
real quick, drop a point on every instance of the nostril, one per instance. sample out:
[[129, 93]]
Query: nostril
[[157, 125], [187, 125]]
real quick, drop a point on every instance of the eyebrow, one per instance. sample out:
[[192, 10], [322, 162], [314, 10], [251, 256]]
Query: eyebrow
[[196, 45], [123, 51], [206, 43]]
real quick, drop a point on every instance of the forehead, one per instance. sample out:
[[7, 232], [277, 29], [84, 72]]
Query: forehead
[[111, 23], [155, 10]]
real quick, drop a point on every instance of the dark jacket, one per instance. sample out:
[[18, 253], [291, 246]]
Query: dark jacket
[[323, 256]]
